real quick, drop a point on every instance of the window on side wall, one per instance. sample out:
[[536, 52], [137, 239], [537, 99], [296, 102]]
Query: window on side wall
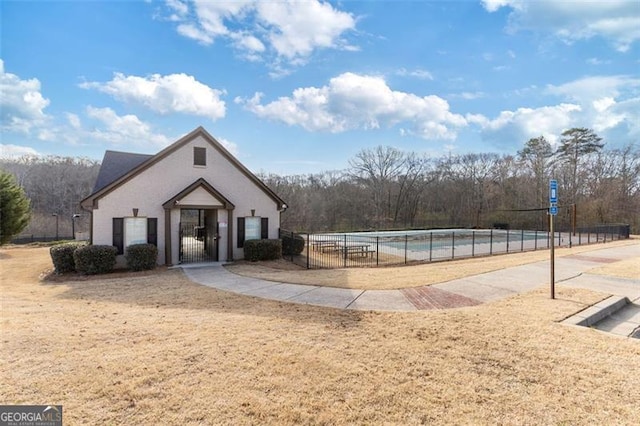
[[199, 156], [134, 230], [252, 228]]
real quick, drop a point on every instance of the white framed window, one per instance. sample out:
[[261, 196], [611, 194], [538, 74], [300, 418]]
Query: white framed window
[[135, 231], [252, 228]]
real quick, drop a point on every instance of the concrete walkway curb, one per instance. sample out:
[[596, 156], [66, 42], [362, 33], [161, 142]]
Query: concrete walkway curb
[[469, 291], [597, 312]]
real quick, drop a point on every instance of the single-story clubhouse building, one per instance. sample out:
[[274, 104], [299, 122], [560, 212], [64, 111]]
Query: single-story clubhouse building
[[193, 200]]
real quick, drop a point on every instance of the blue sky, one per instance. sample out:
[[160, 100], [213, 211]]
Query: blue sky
[[301, 86]]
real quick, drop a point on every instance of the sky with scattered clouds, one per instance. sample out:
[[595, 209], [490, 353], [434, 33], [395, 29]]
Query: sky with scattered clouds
[[301, 86]]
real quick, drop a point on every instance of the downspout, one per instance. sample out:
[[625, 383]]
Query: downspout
[[167, 237], [230, 235]]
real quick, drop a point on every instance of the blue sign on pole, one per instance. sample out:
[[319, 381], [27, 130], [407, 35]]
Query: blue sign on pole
[[553, 191], [553, 210]]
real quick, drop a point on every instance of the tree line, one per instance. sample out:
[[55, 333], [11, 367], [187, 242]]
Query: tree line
[[386, 188], [55, 186]]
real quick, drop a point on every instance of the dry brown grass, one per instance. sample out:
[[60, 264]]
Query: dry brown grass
[[156, 348], [629, 268], [387, 278]]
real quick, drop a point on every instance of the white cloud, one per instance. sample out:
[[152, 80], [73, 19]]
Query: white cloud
[[419, 73], [230, 146], [74, 120], [597, 61], [21, 104], [195, 33], [178, 6], [165, 94], [525, 123], [615, 20], [469, 95], [126, 130], [494, 5], [610, 105], [289, 30], [351, 101], [607, 101], [298, 28], [589, 88], [16, 151]]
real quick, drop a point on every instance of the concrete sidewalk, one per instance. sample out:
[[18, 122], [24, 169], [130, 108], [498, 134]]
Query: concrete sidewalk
[[473, 290]]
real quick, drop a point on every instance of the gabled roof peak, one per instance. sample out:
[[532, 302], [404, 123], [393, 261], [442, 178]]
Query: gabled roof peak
[[122, 166]]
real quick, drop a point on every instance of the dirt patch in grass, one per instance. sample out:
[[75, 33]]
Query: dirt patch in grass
[[629, 268], [160, 349], [386, 278]]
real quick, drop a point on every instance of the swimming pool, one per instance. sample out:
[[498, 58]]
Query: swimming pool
[[379, 248], [436, 244]]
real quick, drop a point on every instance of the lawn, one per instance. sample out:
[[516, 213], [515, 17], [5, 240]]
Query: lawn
[[155, 348]]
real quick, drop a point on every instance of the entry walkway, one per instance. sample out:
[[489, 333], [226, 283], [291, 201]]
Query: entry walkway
[[473, 290]]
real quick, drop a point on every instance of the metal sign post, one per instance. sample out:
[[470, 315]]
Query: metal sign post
[[553, 211]]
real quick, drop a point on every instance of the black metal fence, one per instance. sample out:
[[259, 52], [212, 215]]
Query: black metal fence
[[357, 249]]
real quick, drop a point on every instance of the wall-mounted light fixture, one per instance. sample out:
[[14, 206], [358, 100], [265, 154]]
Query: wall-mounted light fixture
[[253, 212], [135, 212]]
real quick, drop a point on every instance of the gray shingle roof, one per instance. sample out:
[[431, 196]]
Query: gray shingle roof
[[116, 164]]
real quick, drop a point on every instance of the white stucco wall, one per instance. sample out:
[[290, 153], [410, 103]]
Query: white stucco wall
[[165, 179], [200, 197]]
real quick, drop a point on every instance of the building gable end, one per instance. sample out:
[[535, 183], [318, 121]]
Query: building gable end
[[90, 202], [177, 200]]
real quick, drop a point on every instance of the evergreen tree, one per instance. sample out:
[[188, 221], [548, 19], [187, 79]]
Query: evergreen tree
[[576, 143], [15, 210]]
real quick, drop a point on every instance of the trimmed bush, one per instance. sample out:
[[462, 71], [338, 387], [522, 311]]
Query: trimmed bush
[[292, 245], [62, 257], [255, 250], [91, 260], [141, 257]]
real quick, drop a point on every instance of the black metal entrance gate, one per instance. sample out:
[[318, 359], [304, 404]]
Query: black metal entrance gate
[[198, 236]]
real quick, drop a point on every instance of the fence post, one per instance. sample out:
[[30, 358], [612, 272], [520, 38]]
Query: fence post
[[522, 240], [453, 244], [377, 250], [507, 241], [473, 243], [548, 232], [570, 240], [430, 246], [535, 244], [308, 248], [344, 249], [406, 239], [491, 242]]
